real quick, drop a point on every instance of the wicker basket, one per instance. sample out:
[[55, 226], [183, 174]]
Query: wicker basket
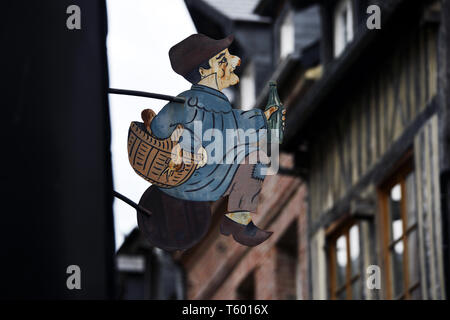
[[151, 157]]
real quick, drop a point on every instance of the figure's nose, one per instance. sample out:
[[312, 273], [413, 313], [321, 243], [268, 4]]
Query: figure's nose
[[236, 61]]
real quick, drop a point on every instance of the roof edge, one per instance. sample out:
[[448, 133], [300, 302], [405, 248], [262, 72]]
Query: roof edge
[[337, 69]]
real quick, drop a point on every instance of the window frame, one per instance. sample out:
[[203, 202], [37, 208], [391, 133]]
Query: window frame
[[348, 28], [247, 87], [399, 176], [335, 231], [286, 28]]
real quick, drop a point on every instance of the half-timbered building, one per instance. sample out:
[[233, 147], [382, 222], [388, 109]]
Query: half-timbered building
[[371, 130]]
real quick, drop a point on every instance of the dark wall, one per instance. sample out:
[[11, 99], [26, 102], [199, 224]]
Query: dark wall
[[307, 27], [56, 181], [444, 134]]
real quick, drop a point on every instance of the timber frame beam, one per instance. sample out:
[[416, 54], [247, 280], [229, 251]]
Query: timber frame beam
[[378, 173]]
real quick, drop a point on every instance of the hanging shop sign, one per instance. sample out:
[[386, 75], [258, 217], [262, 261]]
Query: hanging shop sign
[[198, 149]]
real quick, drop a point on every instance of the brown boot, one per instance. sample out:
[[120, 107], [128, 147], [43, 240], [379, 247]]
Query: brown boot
[[247, 235]]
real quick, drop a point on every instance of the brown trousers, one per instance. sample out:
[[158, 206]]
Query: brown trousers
[[244, 190]]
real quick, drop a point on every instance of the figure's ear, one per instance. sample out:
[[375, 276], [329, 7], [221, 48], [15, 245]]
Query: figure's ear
[[202, 71]]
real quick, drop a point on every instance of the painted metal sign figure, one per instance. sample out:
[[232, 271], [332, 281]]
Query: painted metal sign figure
[[202, 150]]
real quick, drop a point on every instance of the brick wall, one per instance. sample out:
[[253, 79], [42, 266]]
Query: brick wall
[[285, 275], [265, 277], [302, 254], [223, 265]]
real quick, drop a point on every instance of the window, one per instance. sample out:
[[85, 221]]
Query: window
[[287, 36], [247, 86], [344, 263], [246, 290], [343, 26], [400, 235], [286, 264]]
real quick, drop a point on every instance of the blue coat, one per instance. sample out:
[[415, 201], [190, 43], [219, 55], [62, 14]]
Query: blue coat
[[212, 109]]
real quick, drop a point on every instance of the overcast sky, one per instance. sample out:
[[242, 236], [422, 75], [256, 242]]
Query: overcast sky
[[140, 34]]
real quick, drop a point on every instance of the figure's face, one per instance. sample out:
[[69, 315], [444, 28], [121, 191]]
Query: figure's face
[[222, 66]]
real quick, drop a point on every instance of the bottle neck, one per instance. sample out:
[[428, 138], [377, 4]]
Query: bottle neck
[[273, 96]]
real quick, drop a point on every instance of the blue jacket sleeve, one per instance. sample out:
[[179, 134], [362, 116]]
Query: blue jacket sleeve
[[253, 118], [167, 119]]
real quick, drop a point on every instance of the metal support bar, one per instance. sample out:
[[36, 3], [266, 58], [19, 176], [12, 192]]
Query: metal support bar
[[147, 95], [131, 203], [295, 172]]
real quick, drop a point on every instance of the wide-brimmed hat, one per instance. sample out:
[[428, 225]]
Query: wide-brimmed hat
[[190, 53]]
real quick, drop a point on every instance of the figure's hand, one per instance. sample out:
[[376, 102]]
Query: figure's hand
[[177, 155], [268, 113], [204, 157]]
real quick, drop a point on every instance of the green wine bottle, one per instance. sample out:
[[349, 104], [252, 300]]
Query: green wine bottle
[[275, 121]]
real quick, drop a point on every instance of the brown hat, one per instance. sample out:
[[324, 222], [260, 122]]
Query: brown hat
[[188, 54]]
